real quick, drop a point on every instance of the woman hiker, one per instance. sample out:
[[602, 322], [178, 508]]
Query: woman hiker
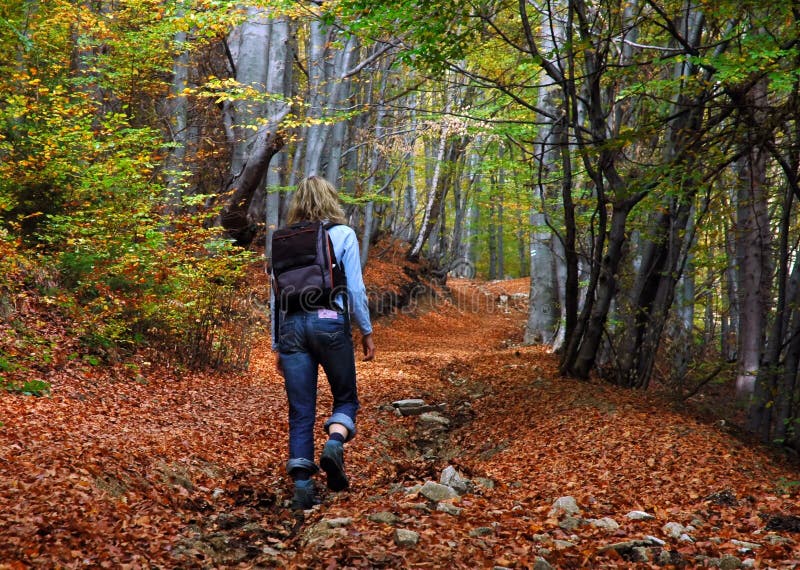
[[307, 337]]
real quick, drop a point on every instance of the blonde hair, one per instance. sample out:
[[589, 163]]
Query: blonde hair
[[315, 200]]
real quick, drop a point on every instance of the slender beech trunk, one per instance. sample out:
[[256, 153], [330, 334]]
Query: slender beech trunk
[[500, 217], [492, 232], [328, 73], [433, 193], [606, 287], [253, 148], [730, 320], [774, 410], [543, 308], [665, 254], [766, 400], [753, 241], [405, 229], [376, 162], [178, 113], [461, 193]]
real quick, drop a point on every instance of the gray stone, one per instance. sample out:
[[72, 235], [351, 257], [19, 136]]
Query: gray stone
[[746, 546], [419, 410], [639, 516], [413, 407], [484, 482], [434, 418], [320, 532], [626, 546], [728, 562], [453, 479], [269, 551], [403, 537], [664, 558], [541, 564], [777, 540], [384, 517], [673, 530], [338, 522], [448, 508], [437, 492], [563, 544], [408, 403], [542, 538], [606, 523], [564, 506], [481, 531], [655, 541], [639, 554], [570, 523]]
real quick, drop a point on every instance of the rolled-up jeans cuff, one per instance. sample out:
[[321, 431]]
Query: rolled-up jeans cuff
[[301, 463], [346, 421]]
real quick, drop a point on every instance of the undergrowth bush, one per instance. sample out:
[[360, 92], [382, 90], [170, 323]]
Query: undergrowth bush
[[86, 235], [172, 289], [125, 270]]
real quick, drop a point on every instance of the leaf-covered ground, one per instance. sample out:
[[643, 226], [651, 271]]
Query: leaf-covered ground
[[172, 469]]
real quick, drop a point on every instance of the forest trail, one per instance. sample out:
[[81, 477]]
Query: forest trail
[[173, 469]]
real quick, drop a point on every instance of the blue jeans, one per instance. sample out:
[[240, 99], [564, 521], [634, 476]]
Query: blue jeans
[[306, 340]]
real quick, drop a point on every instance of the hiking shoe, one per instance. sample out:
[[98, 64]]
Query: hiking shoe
[[332, 462], [305, 496]]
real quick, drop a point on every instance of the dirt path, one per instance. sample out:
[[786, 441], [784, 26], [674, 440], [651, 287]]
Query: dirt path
[[178, 470]]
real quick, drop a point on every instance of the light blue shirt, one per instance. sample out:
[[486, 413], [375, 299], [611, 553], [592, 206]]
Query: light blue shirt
[[346, 250], [345, 247]]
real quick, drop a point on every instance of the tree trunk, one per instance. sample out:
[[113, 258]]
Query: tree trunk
[[522, 234], [543, 308], [682, 332], [774, 411], [260, 64], [606, 289], [753, 242], [375, 164], [491, 237], [327, 81], [461, 194], [730, 322], [433, 194], [500, 216], [407, 227], [178, 113]]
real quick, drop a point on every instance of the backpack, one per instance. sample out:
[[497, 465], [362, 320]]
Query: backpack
[[305, 272]]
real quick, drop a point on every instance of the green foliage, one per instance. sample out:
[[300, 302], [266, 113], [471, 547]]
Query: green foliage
[[6, 365], [28, 388], [784, 486], [80, 189], [437, 32]]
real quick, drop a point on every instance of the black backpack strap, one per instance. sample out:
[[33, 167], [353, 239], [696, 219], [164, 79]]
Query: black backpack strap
[[276, 313]]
